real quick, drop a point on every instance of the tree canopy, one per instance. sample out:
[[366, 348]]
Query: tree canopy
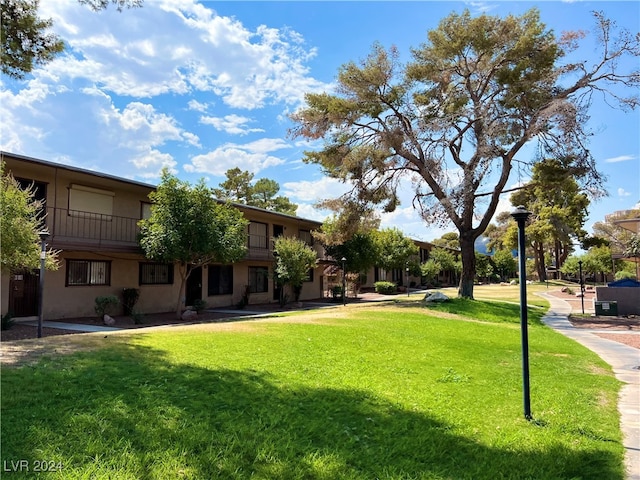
[[294, 258], [262, 193], [452, 121], [22, 218], [189, 227], [559, 212]]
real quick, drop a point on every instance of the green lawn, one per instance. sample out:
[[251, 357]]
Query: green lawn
[[510, 293], [386, 391]]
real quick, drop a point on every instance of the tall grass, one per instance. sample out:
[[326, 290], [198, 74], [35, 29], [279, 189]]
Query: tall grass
[[375, 392]]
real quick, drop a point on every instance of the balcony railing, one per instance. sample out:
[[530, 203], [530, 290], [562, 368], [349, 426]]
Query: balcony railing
[[85, 229]]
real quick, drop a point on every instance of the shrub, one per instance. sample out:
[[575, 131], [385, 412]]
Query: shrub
[[336, 292], [105, 304], [129, 298], [385, 288], [137, 317], [199, 305], [623, 274], [7, 321]]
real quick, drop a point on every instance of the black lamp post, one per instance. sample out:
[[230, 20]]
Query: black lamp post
[[44, 235], [344, 282], [520, 214], [407, 270], [581, 286]]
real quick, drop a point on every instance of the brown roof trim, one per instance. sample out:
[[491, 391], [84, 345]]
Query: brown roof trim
[[47, 163]]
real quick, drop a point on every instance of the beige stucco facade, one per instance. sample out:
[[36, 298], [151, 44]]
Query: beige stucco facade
[[102, 242]]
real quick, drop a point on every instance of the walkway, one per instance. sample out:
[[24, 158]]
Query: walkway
[[76, 327], [625, 362]]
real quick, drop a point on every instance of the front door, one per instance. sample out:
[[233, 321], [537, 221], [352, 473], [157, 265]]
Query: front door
[[194, 286], [23, 293]]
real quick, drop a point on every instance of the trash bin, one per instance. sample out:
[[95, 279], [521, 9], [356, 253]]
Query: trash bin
[[606, 308]]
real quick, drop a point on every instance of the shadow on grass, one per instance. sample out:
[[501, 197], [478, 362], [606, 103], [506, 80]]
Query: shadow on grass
[[126, 412], [493, 311]]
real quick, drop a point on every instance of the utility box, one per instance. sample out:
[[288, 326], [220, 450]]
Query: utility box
[[606, 308]]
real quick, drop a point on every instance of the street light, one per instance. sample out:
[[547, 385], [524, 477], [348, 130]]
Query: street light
[[581, 286], [44, 235], [520, 215], [344, 283], [407, 278]]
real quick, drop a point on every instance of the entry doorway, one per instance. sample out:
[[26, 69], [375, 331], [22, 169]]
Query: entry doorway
[[24, 293], [194, 286]]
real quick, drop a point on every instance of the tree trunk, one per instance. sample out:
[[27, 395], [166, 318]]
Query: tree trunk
[[467, 277], [539, 256], [183, 270]]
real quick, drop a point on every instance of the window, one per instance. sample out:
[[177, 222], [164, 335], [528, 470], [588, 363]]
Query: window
[[155, 274], [220, 280], [257, 235], [88, 272], [310, 275], [305, 236], [258, 279], [145, 210], [84, 200]]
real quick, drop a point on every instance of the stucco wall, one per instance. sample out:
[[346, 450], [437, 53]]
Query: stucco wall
[[628, 298]]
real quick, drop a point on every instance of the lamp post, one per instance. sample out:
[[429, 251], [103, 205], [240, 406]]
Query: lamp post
[[581, 286], [520, 214], [44, 235], [344, 282], [407, 270]]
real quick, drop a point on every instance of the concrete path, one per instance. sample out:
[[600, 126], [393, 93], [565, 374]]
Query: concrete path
[[76, 327], [625, 362]]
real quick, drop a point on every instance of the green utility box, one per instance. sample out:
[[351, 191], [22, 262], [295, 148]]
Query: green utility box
[[604, 308]]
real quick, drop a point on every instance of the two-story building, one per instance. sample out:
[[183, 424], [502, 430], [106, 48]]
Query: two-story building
[[92, 219]]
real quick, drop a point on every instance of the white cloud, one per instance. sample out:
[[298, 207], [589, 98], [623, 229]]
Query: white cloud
[[621, 158], [623, 193], [314, 190], [231, 124], [190, 48], [197, 106], [151, 162], [253, 156]]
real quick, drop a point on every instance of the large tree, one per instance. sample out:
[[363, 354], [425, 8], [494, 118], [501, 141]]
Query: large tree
[[26, 39], [559, 212], [189, 227], [453, 120], [262, 193], [21, 218]]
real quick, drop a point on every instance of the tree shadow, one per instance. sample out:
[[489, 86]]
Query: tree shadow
[[127, 412]]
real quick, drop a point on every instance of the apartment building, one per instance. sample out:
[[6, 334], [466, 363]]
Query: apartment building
[[92, 219]]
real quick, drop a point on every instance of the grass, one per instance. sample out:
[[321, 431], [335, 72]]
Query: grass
[[509, 293], [387, 391]]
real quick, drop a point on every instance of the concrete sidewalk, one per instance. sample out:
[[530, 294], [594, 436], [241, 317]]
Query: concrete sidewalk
[[625, 362], [76, 327]]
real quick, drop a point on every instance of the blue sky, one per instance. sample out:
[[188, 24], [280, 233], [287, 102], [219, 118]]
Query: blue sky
[[201, 87]]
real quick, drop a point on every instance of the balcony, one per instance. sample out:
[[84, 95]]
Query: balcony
[[73, 229]]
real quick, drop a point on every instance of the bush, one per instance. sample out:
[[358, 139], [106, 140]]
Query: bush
[[623, 274], [137, 317], [7, 321], [105, 304], [129, 298], [336, 292], [385, 288], [199, 305]]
